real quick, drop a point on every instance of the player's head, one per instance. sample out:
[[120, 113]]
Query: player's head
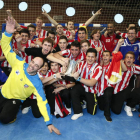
[[44, 69], [35, 65], [129, 58], [111, 27], [47, 45], [91, 56], [75, 48], [39, 22], [54, 67], [59, 29], [132, 32], [51, 34], [106, 57], [63, 43], [32, 30], [25, 35], [82, 33], [85, 45], [95, 35], [70, 25]]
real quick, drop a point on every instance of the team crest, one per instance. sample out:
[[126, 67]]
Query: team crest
[[135, 48], [26, 86], [115, 41], [17, 72]]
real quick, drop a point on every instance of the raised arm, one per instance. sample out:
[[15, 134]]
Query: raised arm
[[50, 18], [6, 44], [18, 40], [9, 12], [120, 42], [93, 17]]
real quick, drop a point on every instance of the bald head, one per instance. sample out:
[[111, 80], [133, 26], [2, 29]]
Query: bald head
[[35, 65]]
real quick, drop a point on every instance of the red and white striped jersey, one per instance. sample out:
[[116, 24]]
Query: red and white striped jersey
[[40, 75], [124, 35], [41, 33], [102, 83], [94, 44], [57, 39], [90, 71], [67, 53], [68, 34], [24, 55], [126, 78]]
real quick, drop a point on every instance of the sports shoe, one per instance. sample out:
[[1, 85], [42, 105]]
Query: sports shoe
[[76, 116], [128, 110], [133, 109], [108, 118], [26, 110]]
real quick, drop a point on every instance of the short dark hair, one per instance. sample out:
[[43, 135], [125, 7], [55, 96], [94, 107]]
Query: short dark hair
[[94, 32], [84, 41], [48, 40], [24, 31], [52, 62], [130, 52], [32, 26], [113, 23], [132, 28], [57, 25], [63, 37], [107, 51], [92, 50], [129, 24], [69, 21], [76, 44], [50, 32], [82, 29]]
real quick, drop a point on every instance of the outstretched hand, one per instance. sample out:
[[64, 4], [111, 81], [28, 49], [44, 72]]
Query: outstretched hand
[[52, 128], [10, 25], [44, 12], [98, 12]]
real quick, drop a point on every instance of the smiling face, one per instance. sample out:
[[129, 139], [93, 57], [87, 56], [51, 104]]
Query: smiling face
[[39, 23], [55, 67], [34, 65], [84, 47], [25, 38], [75, 51], [129, 60], [46, 47], [44, 69], [32, 32], [132, 35], [110, 29], [63, 44], [96, 36], [82, 35], [90, 58]]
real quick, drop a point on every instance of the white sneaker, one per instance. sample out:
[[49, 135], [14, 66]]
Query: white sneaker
[[76, 116], [26, 110], [69, 109], [133, 109], [128, 110]]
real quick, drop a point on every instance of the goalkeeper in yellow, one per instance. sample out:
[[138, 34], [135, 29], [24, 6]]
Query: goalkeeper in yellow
[[22, 82]]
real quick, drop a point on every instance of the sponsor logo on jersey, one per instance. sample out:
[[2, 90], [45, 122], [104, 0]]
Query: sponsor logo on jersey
[[107, 40], [26, 86]]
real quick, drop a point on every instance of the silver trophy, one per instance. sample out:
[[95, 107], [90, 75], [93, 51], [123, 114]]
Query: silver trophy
[[71, 67]]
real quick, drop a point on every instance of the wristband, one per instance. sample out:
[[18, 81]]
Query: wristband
[[54, 76], [79, 78]]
